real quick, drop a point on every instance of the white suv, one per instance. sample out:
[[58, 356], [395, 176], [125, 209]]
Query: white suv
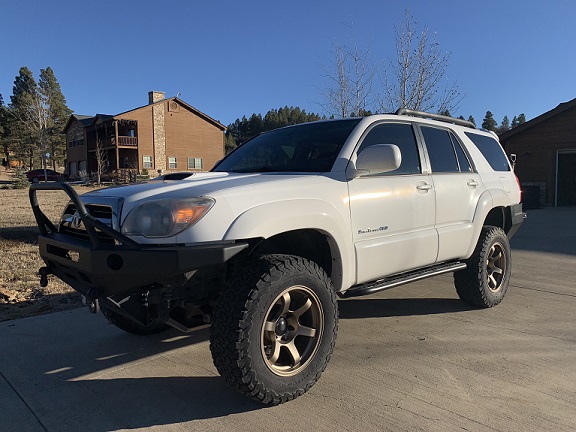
[[260, 246]]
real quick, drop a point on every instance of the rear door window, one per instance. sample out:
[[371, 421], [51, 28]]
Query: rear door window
[[491, 150], [440, 150]]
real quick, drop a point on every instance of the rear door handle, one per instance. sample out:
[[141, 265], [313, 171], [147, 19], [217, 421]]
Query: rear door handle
[[472, 183]]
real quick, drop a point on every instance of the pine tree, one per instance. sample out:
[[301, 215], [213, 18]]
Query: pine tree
[[4, 130], [504, 126], [229, 143], [38, 115], [243, 129], [58, 113], [521, 119], [24, 96], [489, 123], [514, 122], [471, 119]]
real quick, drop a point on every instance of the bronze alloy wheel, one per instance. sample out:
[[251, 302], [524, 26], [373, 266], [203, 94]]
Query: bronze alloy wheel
[[274, 327], [292, 330], [485, 279], [495, 267]]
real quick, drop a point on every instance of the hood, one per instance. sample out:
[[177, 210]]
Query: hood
[[196, 185]]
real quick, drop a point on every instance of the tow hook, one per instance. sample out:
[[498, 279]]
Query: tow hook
[[93, 304], [44, 272]]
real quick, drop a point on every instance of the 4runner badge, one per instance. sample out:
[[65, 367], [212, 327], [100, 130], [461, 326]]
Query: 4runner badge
[[371, 230]]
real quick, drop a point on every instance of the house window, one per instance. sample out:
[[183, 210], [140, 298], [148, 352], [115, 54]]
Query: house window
[[172, 163], [194, 163], [147, 162]]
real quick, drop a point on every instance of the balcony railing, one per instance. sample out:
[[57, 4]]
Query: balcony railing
[[125, 141]]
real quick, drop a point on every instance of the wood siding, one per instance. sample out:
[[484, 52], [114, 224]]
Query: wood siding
[[144, 132], [187, 135], [536, 149]]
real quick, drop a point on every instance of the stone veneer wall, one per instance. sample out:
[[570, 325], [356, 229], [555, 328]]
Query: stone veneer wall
[[159, 133]]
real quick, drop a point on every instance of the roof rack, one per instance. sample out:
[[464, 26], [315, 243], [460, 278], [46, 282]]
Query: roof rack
[[404, 111]]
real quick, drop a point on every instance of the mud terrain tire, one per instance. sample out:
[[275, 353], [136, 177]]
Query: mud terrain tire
[[485, 281], [274, 328]]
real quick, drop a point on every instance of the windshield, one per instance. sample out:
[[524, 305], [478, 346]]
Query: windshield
[[310, 147]]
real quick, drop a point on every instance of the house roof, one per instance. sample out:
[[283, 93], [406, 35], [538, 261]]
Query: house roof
[[185, 105], [88, 120], [543, 117], [101, 117], [84, 119]]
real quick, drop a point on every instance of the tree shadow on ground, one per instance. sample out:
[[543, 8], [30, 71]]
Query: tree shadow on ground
[[25, 234], [16, 305]]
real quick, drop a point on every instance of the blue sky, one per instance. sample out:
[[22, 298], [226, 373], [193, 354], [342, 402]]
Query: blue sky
[[234, 58]]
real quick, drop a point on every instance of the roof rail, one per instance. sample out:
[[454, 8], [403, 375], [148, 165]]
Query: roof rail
[[404, 111]]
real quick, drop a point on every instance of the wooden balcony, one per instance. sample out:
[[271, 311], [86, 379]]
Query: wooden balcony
[[125, 141]]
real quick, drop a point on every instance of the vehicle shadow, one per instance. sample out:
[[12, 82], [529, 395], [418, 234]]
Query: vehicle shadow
[[133, 382], [163, 401], [381, 308], [128, 381]]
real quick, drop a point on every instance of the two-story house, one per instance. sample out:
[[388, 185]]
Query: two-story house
[[167, 135]]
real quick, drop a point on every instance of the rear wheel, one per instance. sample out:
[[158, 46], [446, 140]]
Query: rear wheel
[[485, 280], [274, 328]]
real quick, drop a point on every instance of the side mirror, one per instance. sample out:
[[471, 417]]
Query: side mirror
[[377, 159]]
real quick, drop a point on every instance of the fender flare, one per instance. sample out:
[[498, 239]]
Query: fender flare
[[299, 214], [490, 199]]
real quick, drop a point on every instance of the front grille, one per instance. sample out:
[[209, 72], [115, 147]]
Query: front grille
[[69, 222]]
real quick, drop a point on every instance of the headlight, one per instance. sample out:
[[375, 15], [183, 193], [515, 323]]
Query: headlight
[[166, 217]]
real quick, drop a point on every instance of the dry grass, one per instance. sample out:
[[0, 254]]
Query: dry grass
[[20, 291]]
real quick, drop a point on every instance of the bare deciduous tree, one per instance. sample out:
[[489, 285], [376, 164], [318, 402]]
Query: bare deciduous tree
[[336, 96], [32, 118], [350, 82], [415, 79], [101, 156]]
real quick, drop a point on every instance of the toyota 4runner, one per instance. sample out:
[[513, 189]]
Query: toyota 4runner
[[260, 247]]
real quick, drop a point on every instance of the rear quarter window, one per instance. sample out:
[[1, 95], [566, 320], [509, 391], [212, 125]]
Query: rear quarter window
[[491, 150]]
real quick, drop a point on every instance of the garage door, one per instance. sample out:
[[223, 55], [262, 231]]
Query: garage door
[[566, 178]]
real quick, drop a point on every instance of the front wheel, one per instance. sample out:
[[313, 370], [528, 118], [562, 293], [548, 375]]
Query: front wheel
[[485, 281], [274, 328]]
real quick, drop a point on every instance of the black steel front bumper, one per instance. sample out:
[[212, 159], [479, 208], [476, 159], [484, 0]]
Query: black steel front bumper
[[100, 270]]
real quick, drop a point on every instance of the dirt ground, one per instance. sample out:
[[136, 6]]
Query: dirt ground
[[20, 291]]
